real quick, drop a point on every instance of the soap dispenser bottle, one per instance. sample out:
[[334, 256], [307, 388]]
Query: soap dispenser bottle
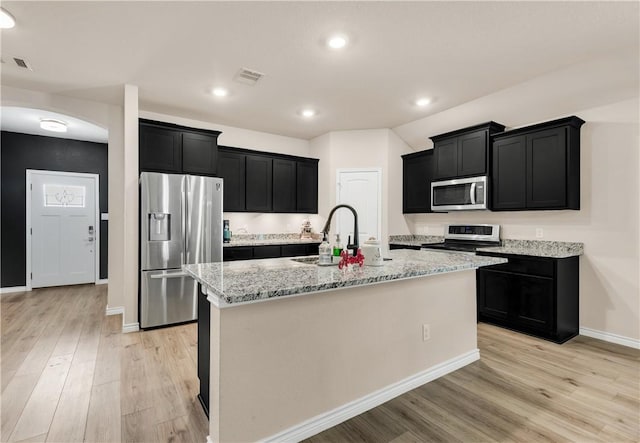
[[324, 251]]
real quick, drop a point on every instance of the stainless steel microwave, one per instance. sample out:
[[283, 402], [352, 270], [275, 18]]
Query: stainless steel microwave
[[461, 194]]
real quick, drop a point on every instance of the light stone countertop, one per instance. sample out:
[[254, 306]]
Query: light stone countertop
[[537, 248], [250, 281]]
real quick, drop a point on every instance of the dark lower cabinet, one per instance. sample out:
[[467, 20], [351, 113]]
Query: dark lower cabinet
[[231, 253], [204, 343], [534, 295], [417, 171]]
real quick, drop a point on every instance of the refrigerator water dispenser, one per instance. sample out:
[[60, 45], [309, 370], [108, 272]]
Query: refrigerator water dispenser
[[159, 226]]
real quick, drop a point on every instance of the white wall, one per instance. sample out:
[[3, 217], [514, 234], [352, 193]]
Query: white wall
[[607, 223]]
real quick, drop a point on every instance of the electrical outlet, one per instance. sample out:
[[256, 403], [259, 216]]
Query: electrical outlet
[[539, 233], [426, 332]]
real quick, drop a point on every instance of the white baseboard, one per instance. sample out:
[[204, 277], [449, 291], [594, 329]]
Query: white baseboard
[[338, 415], [611, 338], [130, 327], [115, 310], [102, 281], [209, 440], [10, 289]]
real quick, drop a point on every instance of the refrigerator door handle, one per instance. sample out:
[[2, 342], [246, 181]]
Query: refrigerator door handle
[[183, 224], [173, 275]]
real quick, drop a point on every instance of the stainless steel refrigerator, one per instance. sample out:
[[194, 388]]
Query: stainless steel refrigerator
[[180, 223]]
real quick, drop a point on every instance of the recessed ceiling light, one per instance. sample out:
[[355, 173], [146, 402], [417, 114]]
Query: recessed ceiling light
[[423, 102], [308, 113], [220, 92], [50, 124], [6, 19], [337, 42]]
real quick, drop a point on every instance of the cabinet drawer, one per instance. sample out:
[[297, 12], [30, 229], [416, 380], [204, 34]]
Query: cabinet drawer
[[524, 265], [266, 251], [237, 253]]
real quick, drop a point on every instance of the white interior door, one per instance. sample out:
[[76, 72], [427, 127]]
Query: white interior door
[[360, 189], [62, 227]]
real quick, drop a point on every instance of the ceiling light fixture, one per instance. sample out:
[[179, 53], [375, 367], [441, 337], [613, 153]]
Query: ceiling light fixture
[[337, 42], [49, 124], [308, 113], [220, 92], [423, 102], [6, 19]]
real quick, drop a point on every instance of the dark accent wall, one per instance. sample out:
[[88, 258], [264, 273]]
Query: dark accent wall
[[19, 152]]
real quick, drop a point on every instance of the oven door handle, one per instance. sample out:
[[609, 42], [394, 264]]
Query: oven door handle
[[472, 193]]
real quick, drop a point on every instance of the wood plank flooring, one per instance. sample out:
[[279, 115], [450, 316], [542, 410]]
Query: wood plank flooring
[[68, 374]]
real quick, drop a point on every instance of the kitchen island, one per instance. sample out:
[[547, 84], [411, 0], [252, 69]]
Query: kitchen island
[[296, 348]]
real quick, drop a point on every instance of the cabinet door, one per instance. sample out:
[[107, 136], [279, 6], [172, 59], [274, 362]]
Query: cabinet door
[[307, 187], [160, 149], [199, 154], [472, 154], [259, 183], [231, 167], [294, 250], [284, 185], [509, 173], [416, 183], [237, 253], [547, 169], [534, 307], [204, 339], [446, 158], [271, 251], [494, 291]]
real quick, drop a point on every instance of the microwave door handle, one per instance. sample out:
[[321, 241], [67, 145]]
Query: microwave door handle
[[472, 193]]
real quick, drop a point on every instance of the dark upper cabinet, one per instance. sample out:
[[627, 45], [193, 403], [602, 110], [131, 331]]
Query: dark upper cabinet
[[160, 149], [256, 181], [231, 168], [307, 186], [199, 154], [537, 167], [284, 185], [417, 171], [165, 147], [464, 152], [259, 179], [509, 171]]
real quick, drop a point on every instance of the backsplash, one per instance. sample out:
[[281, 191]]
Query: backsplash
[[250, 223]]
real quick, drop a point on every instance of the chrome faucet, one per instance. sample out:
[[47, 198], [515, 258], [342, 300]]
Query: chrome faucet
[[355, 245]]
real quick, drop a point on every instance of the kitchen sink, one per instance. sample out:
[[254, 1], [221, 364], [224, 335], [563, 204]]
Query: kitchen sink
[[312, 260]]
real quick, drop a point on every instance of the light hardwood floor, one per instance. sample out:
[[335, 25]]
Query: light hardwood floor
[[69, 375]]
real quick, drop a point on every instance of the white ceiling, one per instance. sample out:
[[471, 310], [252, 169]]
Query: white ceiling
[[27, 121], [175, 52]]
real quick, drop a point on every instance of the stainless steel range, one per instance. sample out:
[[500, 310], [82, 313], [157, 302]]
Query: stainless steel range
[[467, 238]]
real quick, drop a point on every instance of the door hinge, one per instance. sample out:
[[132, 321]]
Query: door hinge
[[31, 186], [31, 231], [32, 276]]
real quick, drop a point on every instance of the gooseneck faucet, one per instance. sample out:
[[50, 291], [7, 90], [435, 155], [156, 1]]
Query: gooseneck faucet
[[355, 245]]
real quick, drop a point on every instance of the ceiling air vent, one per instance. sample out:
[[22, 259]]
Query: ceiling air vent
[[248, 76], [22, 63]]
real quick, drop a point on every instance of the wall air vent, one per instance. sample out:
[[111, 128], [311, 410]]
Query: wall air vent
[[22, 63], [248, 76]]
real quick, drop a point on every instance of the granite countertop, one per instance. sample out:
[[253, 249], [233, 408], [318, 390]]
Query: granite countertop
[[414, 240], [534, 248], [231, 283], [537, 248], [269, 239]]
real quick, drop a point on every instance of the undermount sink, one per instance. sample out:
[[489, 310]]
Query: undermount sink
[[312, 260]]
